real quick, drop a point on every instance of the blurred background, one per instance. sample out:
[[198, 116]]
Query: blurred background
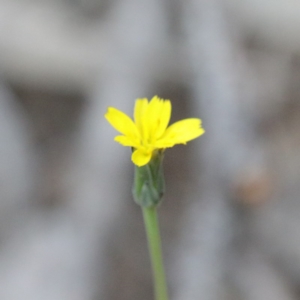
[[69, 229]]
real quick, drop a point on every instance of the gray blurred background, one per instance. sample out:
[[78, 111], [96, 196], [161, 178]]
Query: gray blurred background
[[69, 229]]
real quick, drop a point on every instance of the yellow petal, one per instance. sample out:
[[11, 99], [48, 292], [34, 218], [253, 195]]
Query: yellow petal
[[157, 118], [141, 157], [127, 141], [139, 112], [180, 133], [121, 122], [164, 118], [150, 119]]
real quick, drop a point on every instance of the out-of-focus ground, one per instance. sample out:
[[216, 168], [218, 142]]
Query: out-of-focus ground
[[231, 217]]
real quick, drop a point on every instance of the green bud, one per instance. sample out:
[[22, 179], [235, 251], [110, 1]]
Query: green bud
[[149, 183]]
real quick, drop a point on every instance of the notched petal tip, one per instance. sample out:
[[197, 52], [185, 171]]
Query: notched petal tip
[[108, 112]]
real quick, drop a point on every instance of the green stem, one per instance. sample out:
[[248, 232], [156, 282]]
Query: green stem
[[154, 244]]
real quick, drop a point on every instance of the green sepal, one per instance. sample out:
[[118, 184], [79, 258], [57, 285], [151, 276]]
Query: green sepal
[[149, 184]]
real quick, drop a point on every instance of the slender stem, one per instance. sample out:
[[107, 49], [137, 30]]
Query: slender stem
[[154, 245]]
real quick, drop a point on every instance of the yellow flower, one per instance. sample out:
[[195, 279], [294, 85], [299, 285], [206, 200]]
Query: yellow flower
[[149, 130]]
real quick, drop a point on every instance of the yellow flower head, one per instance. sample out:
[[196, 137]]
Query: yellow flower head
[[149, 130]]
